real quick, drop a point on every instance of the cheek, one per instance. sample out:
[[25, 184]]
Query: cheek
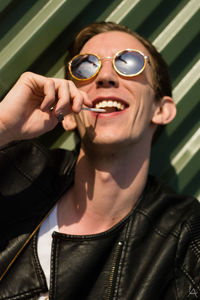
[[146, 106], [83, 85]]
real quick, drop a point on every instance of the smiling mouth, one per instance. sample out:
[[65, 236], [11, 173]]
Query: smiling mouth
[[110, 105]]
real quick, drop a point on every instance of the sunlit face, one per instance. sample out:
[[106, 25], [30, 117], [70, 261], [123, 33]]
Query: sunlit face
[[134, 97]]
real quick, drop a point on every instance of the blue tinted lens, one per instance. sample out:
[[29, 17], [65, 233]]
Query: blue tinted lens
[[85, 66], [129, 63]]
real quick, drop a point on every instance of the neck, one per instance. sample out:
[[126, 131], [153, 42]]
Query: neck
[[105, 189]]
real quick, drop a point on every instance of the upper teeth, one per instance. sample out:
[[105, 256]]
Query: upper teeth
[[110, 103]]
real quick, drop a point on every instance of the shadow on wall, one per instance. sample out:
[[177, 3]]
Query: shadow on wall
[[160, 162], [184, 181]]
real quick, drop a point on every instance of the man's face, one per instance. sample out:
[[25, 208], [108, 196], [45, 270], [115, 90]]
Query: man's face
[[135, 95]]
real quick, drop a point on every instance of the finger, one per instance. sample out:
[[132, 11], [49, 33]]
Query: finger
[[63, 105], [49, 95], [86, 99], [77, 98], [69, 98], [38, 86]]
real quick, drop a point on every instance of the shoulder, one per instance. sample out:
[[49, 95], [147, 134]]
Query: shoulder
[[33, 177], [166, 209], [32, 156], [171, 214], [31, 159]]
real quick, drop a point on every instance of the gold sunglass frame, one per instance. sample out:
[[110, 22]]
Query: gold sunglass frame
[[146, 59]]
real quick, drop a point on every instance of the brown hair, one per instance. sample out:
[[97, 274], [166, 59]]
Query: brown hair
[[161, 78]]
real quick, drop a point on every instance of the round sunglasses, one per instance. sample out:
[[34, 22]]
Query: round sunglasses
[[127, 63]]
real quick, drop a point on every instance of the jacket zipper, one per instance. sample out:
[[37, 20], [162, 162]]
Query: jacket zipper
[[114, 269]]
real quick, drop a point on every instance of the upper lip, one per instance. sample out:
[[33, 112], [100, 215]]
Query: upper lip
[[104, 98]]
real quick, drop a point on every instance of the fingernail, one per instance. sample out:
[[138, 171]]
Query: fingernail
[[60, 117]]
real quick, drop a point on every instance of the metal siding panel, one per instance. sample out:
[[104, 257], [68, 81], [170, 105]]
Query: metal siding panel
[[35, 35], [4, 4], [161, 16]]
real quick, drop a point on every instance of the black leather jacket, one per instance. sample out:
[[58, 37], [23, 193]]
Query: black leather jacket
[[153, 253]]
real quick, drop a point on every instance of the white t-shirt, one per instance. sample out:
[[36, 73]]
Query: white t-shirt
[[44, 244]]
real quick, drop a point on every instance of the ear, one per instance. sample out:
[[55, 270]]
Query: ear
[[165, 111], [69, 122]]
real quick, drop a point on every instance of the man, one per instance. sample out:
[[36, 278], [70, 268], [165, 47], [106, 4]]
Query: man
[[110, 230]]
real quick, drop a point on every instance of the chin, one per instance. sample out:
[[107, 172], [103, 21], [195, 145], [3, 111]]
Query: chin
[[105, 144], [108, 139]]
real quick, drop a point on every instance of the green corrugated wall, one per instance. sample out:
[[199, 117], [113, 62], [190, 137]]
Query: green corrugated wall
[[35, 35]]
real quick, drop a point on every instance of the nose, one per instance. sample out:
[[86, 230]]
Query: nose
[[107, 77]]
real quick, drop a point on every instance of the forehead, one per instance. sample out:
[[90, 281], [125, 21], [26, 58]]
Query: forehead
[[108, 43]]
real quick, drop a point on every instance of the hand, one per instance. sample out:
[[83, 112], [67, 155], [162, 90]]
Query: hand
[[26, 112]]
